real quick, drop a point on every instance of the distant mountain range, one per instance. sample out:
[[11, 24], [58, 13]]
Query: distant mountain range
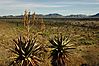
[[96, 15], [55, 15], [77, 16]]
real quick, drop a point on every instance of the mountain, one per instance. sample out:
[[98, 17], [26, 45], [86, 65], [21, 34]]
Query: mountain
[[96, 15], [76, 16], [54, 15]]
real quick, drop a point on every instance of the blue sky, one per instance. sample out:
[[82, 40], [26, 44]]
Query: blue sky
[[64, 7]]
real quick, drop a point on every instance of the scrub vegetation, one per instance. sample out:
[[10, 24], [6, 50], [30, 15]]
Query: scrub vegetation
[[33, 41]]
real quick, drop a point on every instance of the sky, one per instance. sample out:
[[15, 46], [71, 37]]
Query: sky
[[64, 7]]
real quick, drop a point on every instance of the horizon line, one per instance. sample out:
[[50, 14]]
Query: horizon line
[[50, 13]]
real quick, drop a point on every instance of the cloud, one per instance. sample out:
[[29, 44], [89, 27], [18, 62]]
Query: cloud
[[6, 2], [50, 4], [75, 2], [46, 6], [17, 6], [23, 4], [33, 5]]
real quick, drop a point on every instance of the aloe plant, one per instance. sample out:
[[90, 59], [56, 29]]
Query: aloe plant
[[59, 53], [27, 52]]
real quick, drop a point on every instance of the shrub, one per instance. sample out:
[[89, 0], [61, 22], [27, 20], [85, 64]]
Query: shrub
[[59, 53], [27, 52]]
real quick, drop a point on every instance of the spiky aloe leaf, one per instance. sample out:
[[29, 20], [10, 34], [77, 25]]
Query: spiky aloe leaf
[[26, 50], [59, 52]]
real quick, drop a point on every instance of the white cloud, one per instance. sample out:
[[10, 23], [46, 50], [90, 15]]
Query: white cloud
[[75, 2], [33, 5], [42, 6], [16, 6], [7, 1], [21, 4]]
